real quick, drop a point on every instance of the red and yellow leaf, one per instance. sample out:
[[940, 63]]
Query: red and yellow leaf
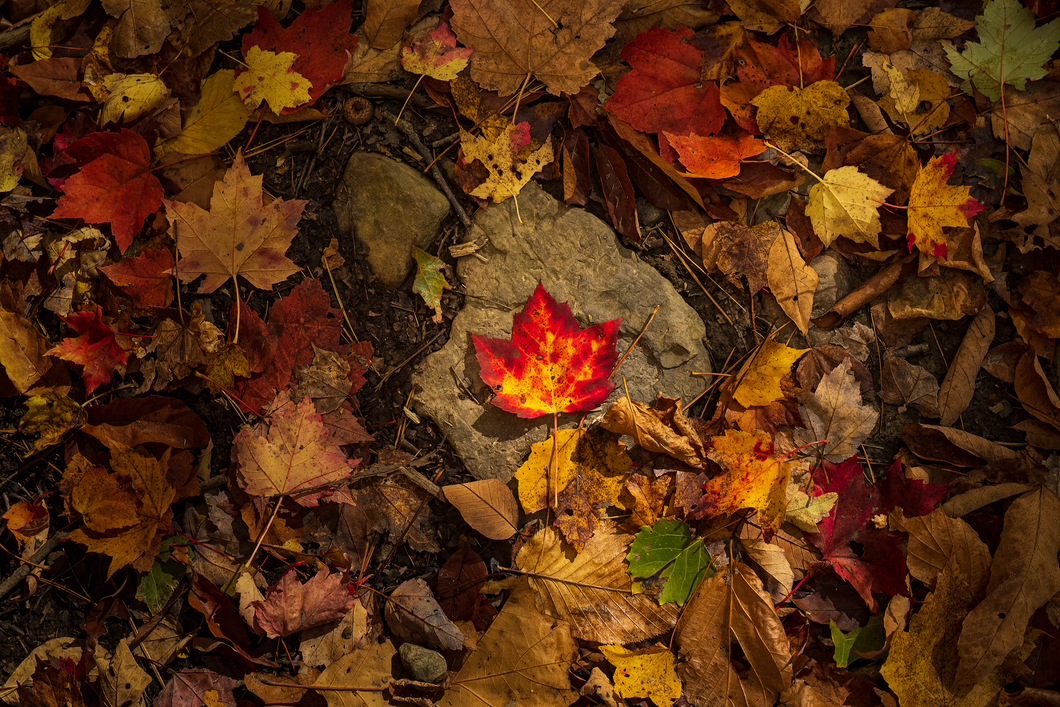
[[934, 205]]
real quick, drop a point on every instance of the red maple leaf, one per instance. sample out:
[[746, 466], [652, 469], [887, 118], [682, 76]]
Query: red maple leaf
[[299, 321], [879, 566], [320, 38], [550, 365], [96, 349], [115, 187], [291, 606], [147, 278], [664, 91], [763, 65]]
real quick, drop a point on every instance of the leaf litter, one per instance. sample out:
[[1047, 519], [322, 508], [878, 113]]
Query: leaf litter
[[806, 506]]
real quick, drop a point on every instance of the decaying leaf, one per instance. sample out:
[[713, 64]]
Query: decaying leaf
[[414, 615], [799, 119], [290, 606], [509, 159], [488, 506], [834, 415]]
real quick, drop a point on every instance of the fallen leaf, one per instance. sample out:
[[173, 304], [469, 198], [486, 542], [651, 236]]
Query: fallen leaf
[[791, 280], [270, 78], [429, 281], [196, 686], [799, 119], [834, 416], [132, 96], [290, 606], [646, 672], [143, 25], [937, 541], [393, 508], [663, 428], [523, 659], [436, 56], [1023, 577], [665, 554], [664, 91], [459, 582], [958, 387], [488, 506], [639, 16], [96, 349], [1011, 50], [216, 118], [550, 364], [320, 41], [507, 172], [332, 641], [714, 156], [892, 31], [551, 39], [1041, 291], [758, 381], [846, 203], [753, 477], [115, 184], [903, 383], [121, 681], [295, 457], [806, 512], [326, 380], [600, 465], [618, 192], [237, 236], [385, 21], [732, 608], [147, 278], [1035, 391], [591, 589], [371, 666], [934, 205], [414, 615], [23, 351]]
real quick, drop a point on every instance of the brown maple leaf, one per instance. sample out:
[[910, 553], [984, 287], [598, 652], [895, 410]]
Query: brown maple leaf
[[290, 606], [552, 39], [237, 236]]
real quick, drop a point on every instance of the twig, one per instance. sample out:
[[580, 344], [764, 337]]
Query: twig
[[395, 369], [404, 127], [23, 570]]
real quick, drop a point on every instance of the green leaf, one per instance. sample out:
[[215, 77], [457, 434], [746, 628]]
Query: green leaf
[[666, 551], [429, 281], [158, 584], [869, 638], [1011, 49], [690, 568], [806, 512]]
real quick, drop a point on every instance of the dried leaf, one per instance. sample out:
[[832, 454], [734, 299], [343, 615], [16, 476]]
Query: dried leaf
[[791, 280], [488, 506], [958, 387], [934, 205], [847, 203], [663, 428], [647, 672], [936, 541], [833, 414], [799, 119], [290, 606], [414, 615]]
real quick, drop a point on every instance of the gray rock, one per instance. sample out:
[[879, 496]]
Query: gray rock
[[390, 207], [423, 664], [578, 259]]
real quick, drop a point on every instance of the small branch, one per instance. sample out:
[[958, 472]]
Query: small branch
[[23, 570]]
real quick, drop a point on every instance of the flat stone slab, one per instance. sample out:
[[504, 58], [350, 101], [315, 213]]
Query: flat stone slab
[[578, 259]]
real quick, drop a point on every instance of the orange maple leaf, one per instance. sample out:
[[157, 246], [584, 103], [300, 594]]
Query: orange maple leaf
[[550, 365], [933, 204], [237, 236], [296, 456]]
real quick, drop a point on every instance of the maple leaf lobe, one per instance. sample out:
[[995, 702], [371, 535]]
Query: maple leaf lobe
[[550, 364]]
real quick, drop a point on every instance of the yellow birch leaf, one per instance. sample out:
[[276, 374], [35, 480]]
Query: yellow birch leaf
[[846, 203], [132, 96], [799, 119], [216, 118], [508, 173], [269, 78], [648, 672], [758, 382], [792, 281]]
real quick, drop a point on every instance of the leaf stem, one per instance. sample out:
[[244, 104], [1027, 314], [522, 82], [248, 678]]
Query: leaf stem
[[408, 98], [797, 163]]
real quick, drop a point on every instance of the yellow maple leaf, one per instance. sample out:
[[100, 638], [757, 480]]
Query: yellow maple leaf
[[213, 121], [509, 168], [934, 205], [575, 455], [122, 522], [799, 119], [648, 672], [132, 96], [269, 78], [846, 203], [758, 382]]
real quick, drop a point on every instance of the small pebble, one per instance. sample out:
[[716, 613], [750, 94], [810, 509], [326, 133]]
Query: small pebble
[[423, 664]]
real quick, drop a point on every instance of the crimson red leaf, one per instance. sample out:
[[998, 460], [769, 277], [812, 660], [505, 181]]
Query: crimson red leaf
[[147, 277], [618, 192], [96, 348], [117, 187]]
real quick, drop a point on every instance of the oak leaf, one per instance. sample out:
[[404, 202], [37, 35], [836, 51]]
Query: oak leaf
[[799, 119], [847, 203], [665, 91], [1011, 49], [550, 365], [319, 39], [934, 205], [96, 349], [551, 39], [237, 236], [115, 184], [510, 160], [834, 415], [296, 456], [591, 589], [290, 606], [436, 55]]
